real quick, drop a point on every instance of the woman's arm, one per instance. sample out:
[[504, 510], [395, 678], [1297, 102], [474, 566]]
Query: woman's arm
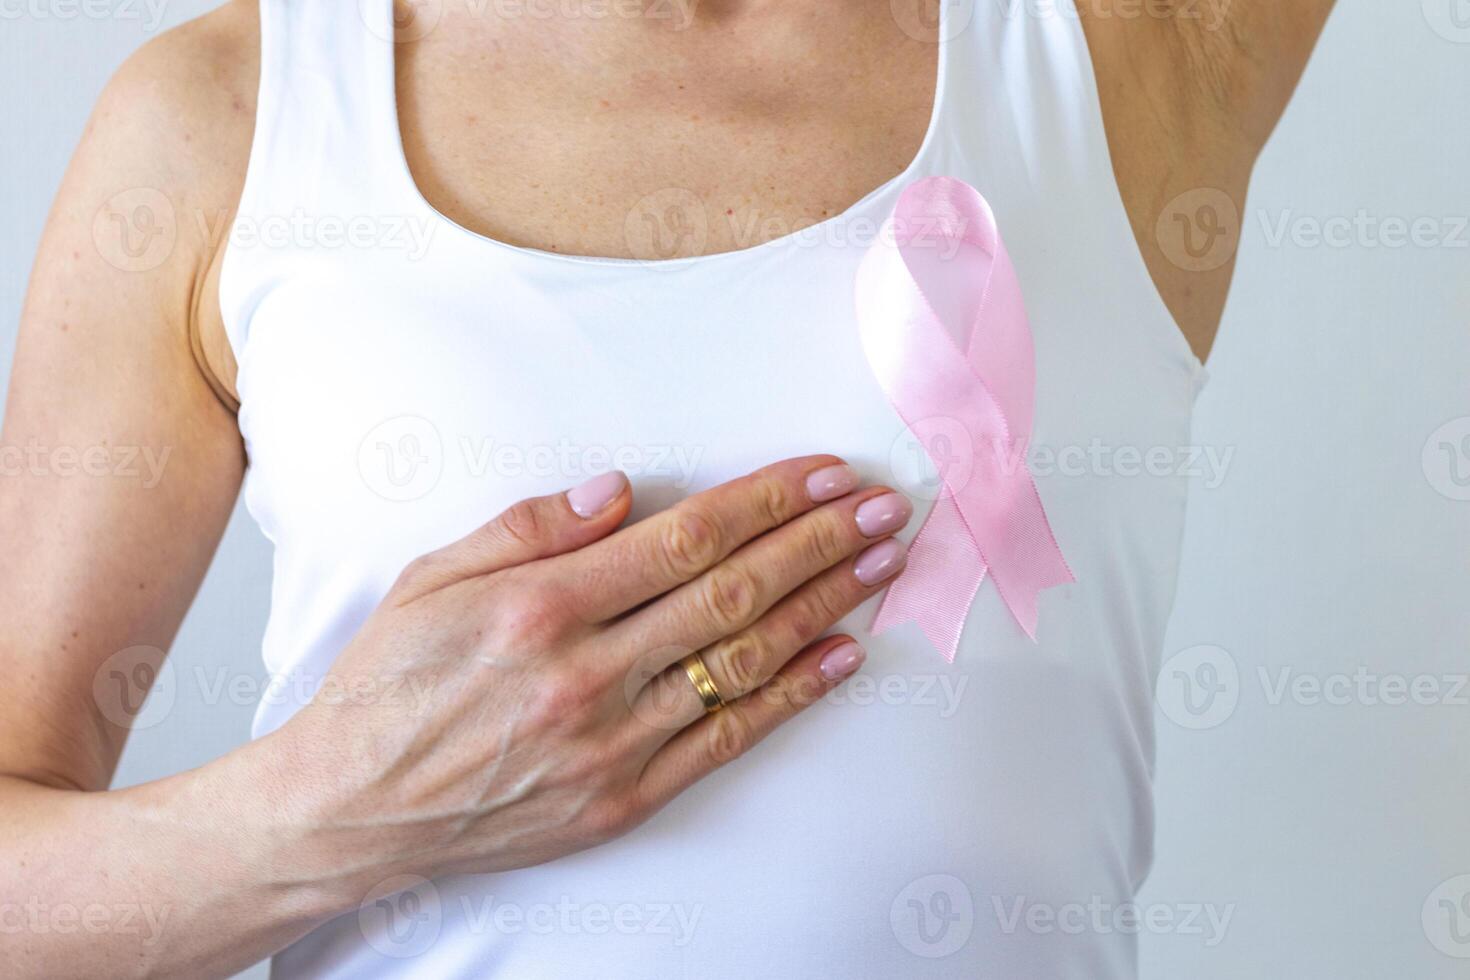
[[120, 469], [120, 466], [1191, 90], [549, 712]]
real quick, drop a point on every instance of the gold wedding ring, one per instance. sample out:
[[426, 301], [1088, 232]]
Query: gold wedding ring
[[704, 684]]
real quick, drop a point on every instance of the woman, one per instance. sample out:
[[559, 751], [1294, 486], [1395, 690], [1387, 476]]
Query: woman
[[419, 283]]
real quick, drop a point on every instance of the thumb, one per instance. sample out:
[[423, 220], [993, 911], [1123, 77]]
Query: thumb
[[534, 528]]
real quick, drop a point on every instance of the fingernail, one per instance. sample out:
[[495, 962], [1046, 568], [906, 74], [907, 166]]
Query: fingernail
[[879, 562], [589, 499], [884, 515], [831, 482], [842, 660]]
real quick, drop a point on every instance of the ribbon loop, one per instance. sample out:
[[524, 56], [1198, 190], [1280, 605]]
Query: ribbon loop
[[942, 256]]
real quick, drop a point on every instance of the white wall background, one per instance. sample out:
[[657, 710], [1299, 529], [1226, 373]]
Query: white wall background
[[1329, 827], [1331, 551]]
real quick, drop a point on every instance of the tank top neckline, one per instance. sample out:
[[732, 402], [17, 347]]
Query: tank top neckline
[[401, 373], [385, 71]]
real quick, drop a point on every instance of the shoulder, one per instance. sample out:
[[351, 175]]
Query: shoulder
[[182, 106], [191, 62], [171, 133]]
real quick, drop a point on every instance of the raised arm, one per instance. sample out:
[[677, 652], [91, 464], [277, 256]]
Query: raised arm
[[1191, 90]]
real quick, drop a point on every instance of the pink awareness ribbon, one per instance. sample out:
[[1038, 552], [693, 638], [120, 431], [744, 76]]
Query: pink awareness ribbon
[[989, 515]]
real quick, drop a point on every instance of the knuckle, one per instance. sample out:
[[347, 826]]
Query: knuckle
[[773, 499], [827, 542], [742, 659], [612, 816], [804, 623], [823, 606], [597, 765], [729, 597], [522, 524], [564, 700], [692, 541], [531, 618], [420, 570], [730, 737]]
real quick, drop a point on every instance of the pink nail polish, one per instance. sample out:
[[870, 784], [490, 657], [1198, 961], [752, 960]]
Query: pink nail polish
[[842, 660], [884, 515], [589, 499], [831, 482], [879, 562]]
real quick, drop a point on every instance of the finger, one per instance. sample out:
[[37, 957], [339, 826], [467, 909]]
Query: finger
[[678, 544], [742, 663], [538, 527], [728, 734], [734, 594]]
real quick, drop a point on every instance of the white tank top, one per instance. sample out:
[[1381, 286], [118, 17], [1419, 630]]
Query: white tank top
[[403, 379]]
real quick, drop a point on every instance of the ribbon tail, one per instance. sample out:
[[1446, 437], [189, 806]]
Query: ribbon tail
[[943, 573], [1025, 558], [1023, 599]]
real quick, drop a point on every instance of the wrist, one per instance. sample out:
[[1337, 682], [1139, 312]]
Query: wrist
[[282, 850]]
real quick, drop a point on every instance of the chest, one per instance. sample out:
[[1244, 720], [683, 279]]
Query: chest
[[592, 139], [369, 406], [666, 149]]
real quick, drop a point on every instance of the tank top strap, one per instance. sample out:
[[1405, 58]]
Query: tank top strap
[[325, 152], [327, 128], [1020, 77]]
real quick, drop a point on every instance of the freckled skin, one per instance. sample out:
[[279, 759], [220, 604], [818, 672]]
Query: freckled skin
[[775, 114], [772, 151]]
